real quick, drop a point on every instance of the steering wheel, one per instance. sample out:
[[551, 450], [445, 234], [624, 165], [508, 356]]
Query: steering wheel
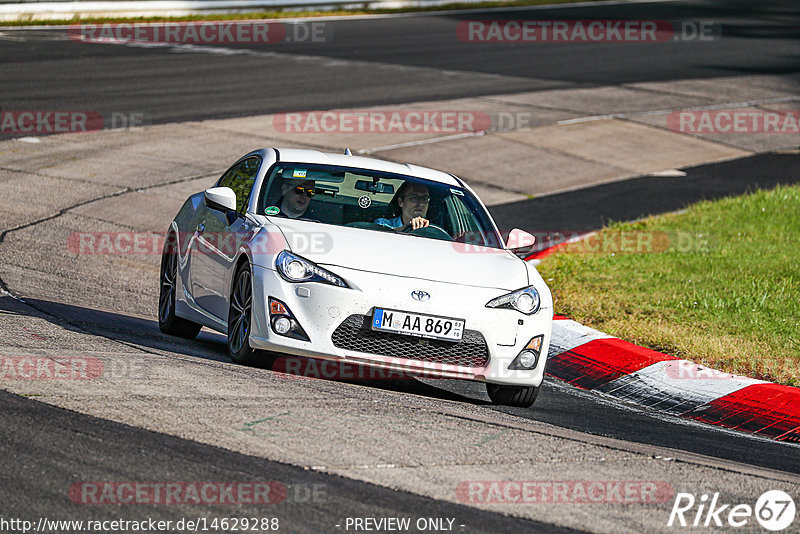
[[433, 231]]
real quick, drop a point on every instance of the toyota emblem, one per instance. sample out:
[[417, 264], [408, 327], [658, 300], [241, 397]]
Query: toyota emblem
[[421, 296]]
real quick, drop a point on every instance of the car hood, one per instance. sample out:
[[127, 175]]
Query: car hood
[[404, 255]]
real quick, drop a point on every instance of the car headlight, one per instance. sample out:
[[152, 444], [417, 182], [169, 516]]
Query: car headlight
[[293, 268], [525, 300]]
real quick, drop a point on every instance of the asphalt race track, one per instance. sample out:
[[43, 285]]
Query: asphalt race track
[[314, 502], [384, 61], [171, 410]]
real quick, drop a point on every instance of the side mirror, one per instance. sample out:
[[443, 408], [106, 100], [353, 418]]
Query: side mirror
[[520, 242], [220, 198]]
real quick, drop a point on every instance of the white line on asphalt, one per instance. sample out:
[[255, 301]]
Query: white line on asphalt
[[420, 142], [323, 60]]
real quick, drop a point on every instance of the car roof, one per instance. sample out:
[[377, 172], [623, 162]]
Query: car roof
[[298, 155]]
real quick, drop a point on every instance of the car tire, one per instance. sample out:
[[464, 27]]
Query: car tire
[[521, 397], [168, 322], [240, 317]]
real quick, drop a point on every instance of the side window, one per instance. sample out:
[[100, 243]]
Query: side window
[[241, 178], [466, 226]]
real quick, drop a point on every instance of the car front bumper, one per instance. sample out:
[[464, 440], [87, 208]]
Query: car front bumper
[[336, 321]]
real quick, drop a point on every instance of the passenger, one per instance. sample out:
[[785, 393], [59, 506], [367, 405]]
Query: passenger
[[409, 207]]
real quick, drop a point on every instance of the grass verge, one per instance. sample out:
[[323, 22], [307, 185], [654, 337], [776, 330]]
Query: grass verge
[[292, 13], [717, 284]]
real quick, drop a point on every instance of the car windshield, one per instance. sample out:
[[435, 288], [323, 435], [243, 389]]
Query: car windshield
[[376, 201]]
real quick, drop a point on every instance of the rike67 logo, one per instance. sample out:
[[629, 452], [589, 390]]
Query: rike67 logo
[[774, 510]]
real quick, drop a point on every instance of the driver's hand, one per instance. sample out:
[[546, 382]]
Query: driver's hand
[[419, 222]]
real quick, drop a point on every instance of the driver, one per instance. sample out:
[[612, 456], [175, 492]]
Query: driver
[[296, 197], [411, 201]]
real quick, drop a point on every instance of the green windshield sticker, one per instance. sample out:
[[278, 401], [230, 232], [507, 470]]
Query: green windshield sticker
[[457, 192], [272, 210]]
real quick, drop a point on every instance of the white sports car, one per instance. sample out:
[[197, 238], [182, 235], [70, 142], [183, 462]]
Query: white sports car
[[358, 260]]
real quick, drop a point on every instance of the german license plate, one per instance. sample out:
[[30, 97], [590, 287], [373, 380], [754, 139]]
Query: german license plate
[[417, 324]]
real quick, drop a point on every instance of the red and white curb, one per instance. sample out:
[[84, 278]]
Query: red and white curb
[[544, 249], [593, 360]]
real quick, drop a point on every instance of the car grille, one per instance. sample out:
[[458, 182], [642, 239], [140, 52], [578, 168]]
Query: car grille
[[355, 334]]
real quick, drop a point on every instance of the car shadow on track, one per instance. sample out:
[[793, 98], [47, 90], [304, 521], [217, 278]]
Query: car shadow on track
[[144, 333], [411, 385], [126, 329]]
